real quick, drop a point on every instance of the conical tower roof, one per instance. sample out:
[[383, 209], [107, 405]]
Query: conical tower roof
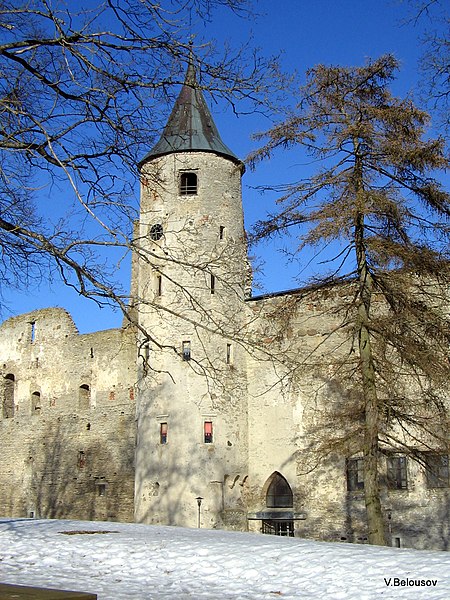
[[190, 127]]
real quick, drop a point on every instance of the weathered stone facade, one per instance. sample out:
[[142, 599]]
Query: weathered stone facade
[[208, 421], [68, 443]]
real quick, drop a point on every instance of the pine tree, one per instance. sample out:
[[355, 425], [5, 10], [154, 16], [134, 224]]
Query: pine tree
[[377, 198]]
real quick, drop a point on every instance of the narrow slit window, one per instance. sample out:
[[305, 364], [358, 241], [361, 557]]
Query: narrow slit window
[[186, 350], [81, 461], [212, 283], [208, 432], [221, 232], [84, 396], [229, 354], [188, 184], [33, 331], [159, 285], [36, 403], [163, 433]]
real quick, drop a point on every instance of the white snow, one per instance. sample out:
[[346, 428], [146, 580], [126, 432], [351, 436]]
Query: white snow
[[139, 562]]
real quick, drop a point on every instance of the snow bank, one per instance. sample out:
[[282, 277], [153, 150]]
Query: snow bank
[[138, 562]]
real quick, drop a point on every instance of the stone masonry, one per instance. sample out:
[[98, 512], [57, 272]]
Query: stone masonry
[[208, 420]]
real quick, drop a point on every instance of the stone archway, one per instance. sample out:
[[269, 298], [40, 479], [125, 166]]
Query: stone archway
[[279, 499], [279, 492]]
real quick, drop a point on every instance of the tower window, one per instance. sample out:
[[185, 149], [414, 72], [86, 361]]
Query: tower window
[[81, 461], [163, 433], [33, 331], [101, 487], [229, 354], [208, 432], [186, 350], [158, 285], [212, 283], [221, 232], [156, 232], [188, 184]]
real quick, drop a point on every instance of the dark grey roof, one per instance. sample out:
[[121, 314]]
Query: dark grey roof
[[190, 127]]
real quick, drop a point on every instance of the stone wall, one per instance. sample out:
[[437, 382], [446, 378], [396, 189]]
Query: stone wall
[[68, 443], [294, 391], [191, 281]]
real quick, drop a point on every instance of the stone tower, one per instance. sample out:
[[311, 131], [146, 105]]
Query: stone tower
[[191, 279]]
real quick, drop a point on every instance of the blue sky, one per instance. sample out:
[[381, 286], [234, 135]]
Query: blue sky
[[306, 32]]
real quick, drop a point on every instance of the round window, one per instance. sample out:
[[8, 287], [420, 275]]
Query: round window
[[156, 232]]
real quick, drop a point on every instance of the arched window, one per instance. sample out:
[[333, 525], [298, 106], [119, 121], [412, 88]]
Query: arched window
[[188, 184], [36, 403], [279, 493], [8, 396], [84, 396]]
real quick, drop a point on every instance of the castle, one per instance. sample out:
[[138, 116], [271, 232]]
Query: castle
[[197, 417]]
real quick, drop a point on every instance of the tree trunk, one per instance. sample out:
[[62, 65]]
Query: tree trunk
[[375, 518]]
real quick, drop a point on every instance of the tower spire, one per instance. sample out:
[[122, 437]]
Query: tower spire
[[190, 127]]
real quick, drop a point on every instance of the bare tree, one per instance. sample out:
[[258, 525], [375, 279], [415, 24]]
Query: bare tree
[[376, 203], [83, 94], [434, 16]]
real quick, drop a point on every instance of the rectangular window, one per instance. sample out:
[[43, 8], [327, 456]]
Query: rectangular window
[[213, 283], [283, 528], [221, 232], [81, 462], [101, 489], [208, 432], [84, 397], [437, 470], [33, 331], [355, 474], [186, 350], [158, 285], [396, 473], [229, 354], [163, 433], [188, 184]]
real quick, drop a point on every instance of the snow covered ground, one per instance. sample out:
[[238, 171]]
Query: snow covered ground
[[138, 562]]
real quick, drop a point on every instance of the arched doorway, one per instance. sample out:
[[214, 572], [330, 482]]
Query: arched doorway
[[279, 493], [278, 496]]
